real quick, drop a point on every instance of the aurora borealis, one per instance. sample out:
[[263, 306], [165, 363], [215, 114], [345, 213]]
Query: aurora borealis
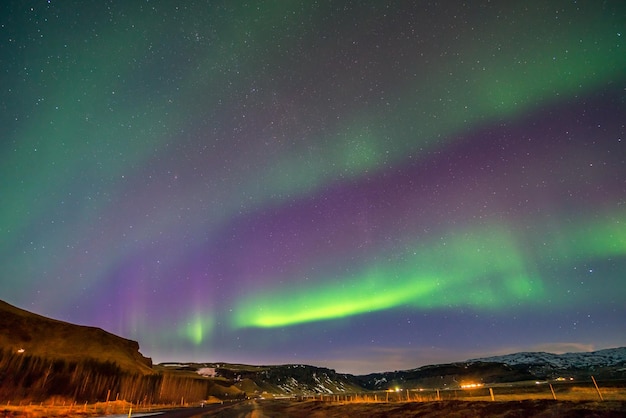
[[365, 185]]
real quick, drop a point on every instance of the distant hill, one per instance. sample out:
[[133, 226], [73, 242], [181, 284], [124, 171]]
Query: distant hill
[[606, 364], [585, 360], [289, 379], [31, 334], [298, 379]]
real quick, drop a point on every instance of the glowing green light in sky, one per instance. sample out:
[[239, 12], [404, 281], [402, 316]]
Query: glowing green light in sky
[[479, 268], [604, 238], [482, 268], [198, 329], [477, 87]]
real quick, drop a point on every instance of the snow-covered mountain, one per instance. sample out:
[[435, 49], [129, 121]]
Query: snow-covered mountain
[[602, 358], [289, 379], [606, 364]]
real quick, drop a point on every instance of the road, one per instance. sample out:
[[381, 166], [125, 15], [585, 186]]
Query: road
[[243, 409]]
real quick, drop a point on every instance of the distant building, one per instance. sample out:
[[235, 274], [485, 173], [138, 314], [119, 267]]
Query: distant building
[[207, 372]]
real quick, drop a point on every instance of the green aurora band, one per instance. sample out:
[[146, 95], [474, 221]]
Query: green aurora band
[[483, 268]]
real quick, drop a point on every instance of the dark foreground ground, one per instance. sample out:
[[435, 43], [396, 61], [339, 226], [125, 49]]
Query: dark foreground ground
[[448, 409], [316, 409]]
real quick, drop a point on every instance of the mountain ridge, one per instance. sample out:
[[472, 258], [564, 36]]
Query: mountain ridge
[[604, 357], [607, 364]]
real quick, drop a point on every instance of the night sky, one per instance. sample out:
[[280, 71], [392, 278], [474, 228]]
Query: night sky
[[362, 185]]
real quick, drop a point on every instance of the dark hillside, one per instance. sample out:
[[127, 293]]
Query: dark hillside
[[31, 334], [42, 358]]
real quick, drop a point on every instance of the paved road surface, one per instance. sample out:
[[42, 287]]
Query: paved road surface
[[244, 409]]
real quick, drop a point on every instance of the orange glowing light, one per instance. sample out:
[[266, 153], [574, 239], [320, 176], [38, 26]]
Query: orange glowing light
[[471, 385]]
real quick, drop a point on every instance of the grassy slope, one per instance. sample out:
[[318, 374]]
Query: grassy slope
[[53, 339]]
